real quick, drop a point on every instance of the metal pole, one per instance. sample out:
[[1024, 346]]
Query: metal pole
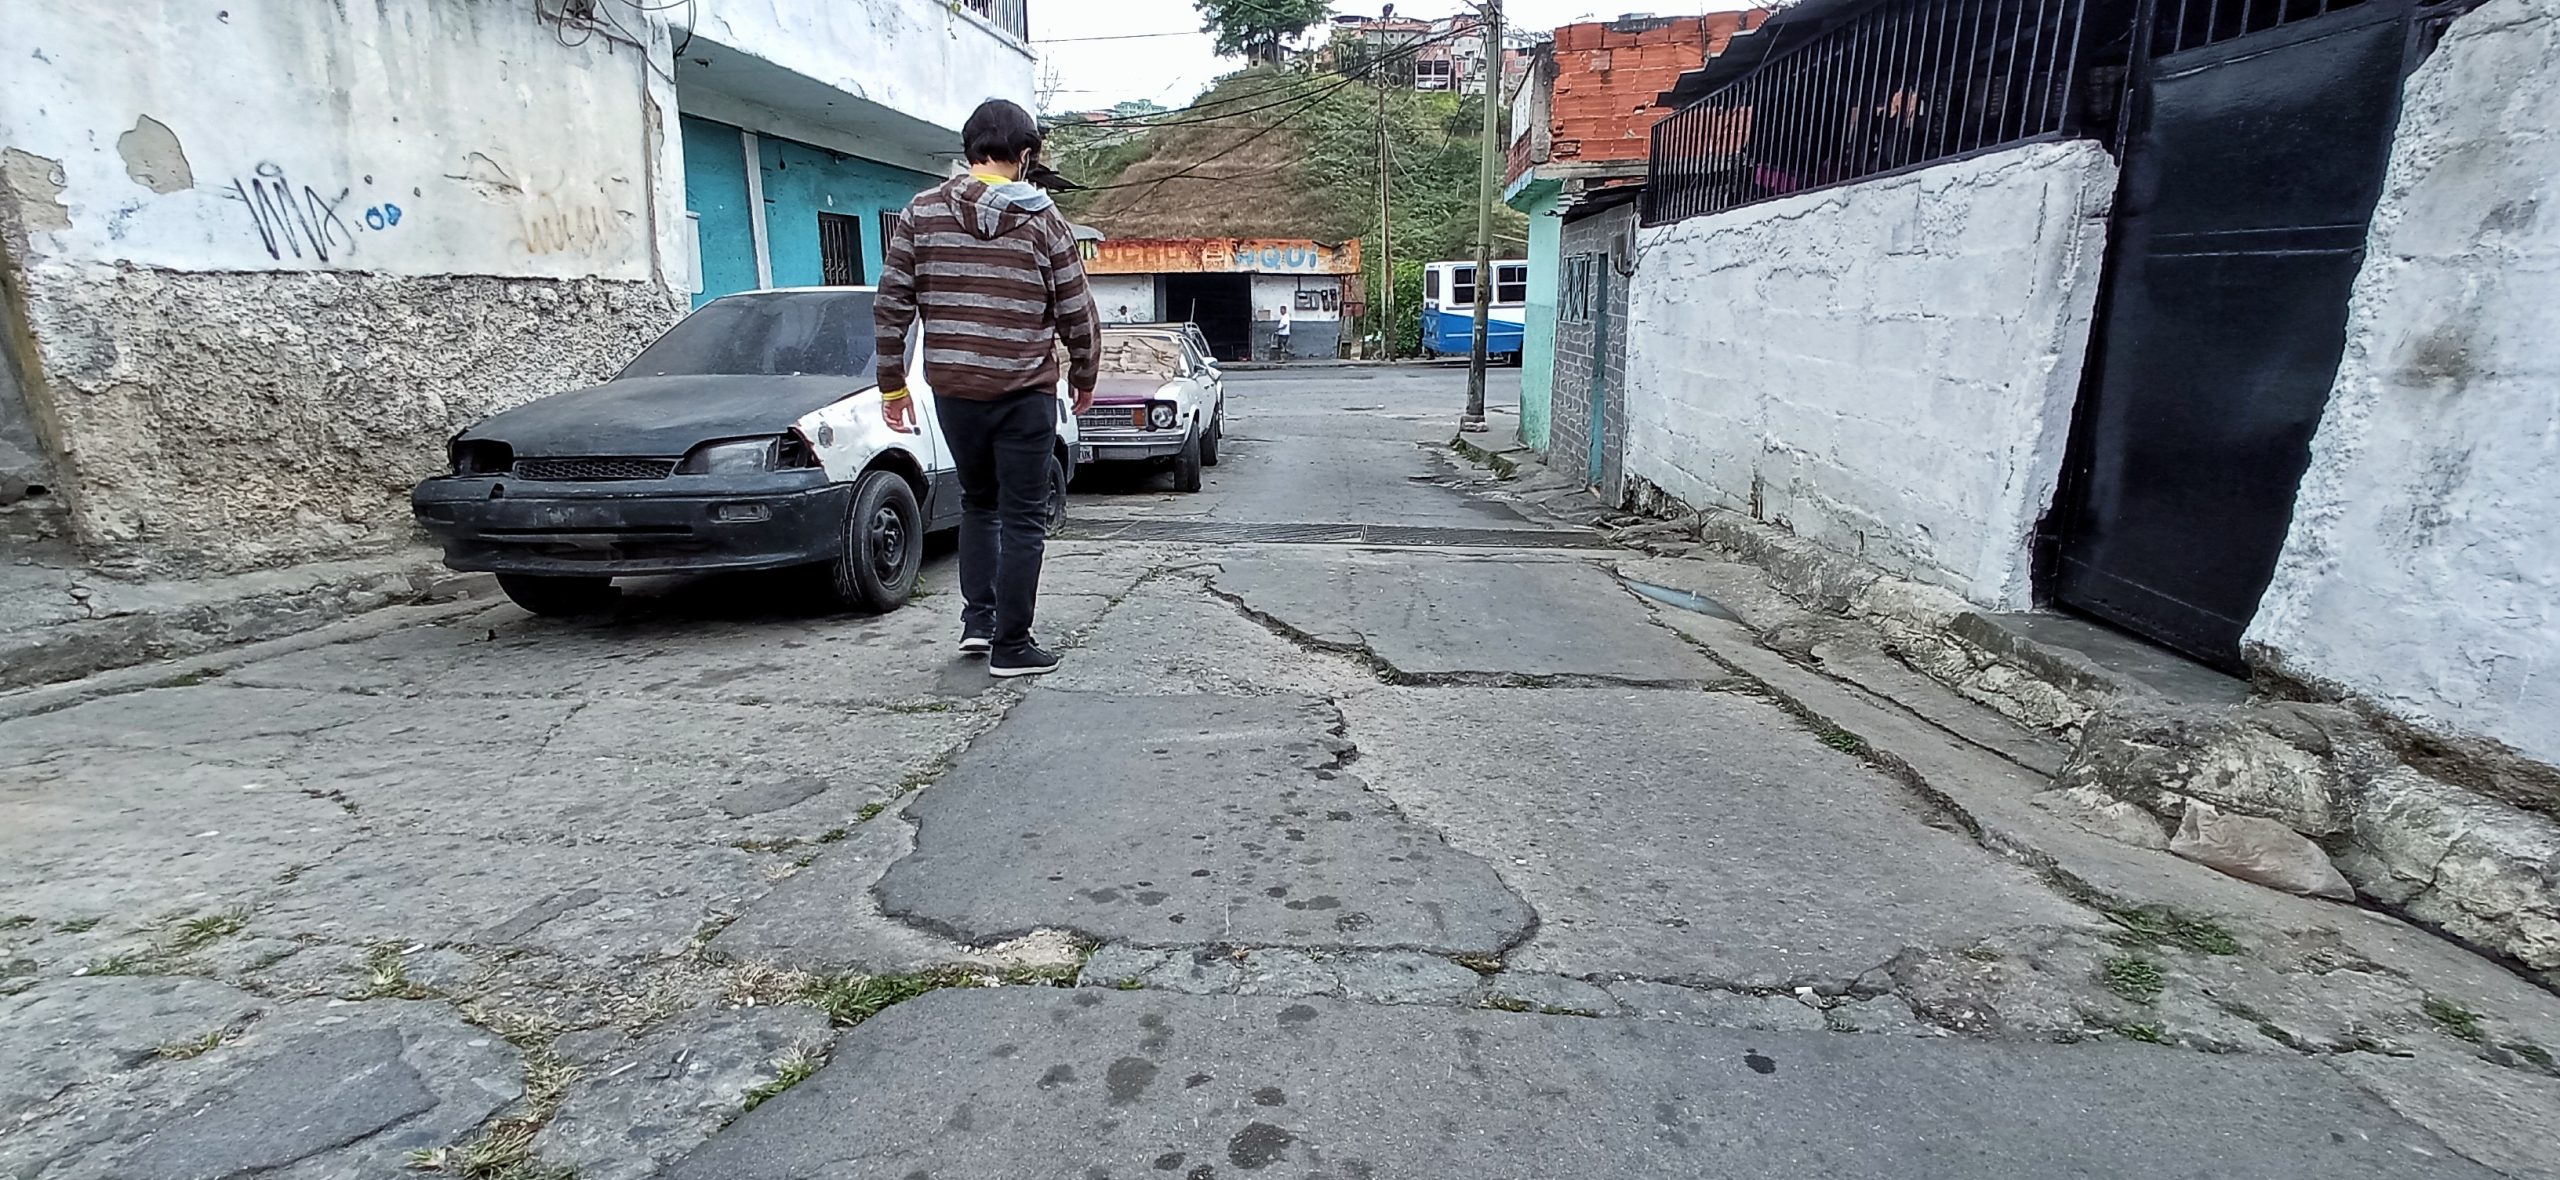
[[1386, 234], [1486, 178]]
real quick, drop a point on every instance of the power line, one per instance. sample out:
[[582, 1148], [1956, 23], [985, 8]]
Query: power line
[[1117, 37]]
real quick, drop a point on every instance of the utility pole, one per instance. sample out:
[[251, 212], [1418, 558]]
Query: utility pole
[[1486, 178], [1386, 233]]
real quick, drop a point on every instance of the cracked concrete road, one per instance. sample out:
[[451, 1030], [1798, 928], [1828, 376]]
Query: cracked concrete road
[[1317, 860]]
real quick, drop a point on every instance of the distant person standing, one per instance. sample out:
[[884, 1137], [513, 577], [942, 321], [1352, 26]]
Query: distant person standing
[[1282, 332], [984, 273]]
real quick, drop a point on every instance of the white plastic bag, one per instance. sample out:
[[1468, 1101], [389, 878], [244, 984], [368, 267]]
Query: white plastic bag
[[2258, 850]]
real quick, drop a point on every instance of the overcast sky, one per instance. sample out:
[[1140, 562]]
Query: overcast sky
[[1138, 64]]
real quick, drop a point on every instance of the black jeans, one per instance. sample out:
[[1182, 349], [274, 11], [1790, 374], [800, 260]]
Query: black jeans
[[1001, 452]]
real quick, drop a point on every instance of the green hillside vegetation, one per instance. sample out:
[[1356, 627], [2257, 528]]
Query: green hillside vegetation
[[1284, 153]]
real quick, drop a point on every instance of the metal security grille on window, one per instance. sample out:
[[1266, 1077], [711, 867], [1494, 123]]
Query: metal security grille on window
[[574, 470], [1896, 85], [840, 249]]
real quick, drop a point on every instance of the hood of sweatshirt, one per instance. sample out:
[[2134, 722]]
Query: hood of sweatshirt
[[995, 210]]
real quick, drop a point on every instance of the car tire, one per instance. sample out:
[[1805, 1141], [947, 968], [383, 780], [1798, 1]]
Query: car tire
[[1209, 444], [883, 546], [1053, 519], [555, 596], [1186, 466]]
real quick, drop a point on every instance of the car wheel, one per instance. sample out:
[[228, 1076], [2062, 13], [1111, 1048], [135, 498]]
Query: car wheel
[[1186, 466], [1053, 516], [1209, 445], [883, 546], [557, 596]]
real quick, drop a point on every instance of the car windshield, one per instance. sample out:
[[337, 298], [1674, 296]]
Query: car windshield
[[775, 333], [1141, 354]]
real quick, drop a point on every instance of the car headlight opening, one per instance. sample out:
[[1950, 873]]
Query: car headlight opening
[[1160, 416], [744, 456]]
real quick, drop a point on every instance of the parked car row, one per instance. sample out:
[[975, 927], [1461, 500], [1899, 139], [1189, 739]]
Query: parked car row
[[749, 437]]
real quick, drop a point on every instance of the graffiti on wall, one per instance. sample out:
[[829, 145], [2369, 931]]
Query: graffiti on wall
[[299, 220], [1320, 299], [557, 215]]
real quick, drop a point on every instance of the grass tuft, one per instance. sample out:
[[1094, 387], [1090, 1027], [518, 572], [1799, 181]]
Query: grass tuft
[[2133, 977], [387, 977], [792, 1070], [1508, 1004], [1131, 984], [2162, 926], [2455, 1019], [849, 1000], [2147, 1033], [127, 963], [2531, 1052], [17, 921], [198, 933], [869, 812], [1480, 964], [189, 1050], [77, 925]]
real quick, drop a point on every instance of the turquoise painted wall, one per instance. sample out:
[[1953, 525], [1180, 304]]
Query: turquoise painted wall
[[715, 187], [800, 182], [1542, 201]]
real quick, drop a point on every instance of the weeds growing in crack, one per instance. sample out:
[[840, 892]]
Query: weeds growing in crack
[[387, 977], [190, 1050], [198, 933], [2162, 926], [123, 963], [1131, 984], [796, 1067], [779, 844], [2133, 977], [77, 925], [1486, 965], [2149, 1034], [869, 812], [848, 1000], [831, 835], [1506, 1004], [2454, 1019], [503, 1150], [17, 921]]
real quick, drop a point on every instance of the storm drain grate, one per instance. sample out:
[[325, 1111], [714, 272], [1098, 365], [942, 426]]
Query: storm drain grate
[[1223, 533]]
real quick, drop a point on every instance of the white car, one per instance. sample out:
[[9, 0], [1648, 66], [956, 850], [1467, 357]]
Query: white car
[[1159, 400], [749, 437]]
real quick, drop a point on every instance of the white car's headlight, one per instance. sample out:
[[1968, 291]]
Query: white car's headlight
[[743, 457], [1160, 416]]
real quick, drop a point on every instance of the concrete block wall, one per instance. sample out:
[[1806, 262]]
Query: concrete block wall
[[2420, 574], [1585, 349], [1887, 368]]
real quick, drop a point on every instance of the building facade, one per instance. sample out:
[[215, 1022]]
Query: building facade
[[1236, 290], [259, 261], [1581, 121]]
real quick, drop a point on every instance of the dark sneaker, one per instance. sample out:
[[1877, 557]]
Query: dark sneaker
[[1030, 661], [976, 645]]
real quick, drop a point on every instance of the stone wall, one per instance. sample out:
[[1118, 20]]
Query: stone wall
[[1886, 368], [271, 255], [2420, 573], [231, 421]]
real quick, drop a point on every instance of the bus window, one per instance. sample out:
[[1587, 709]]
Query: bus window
[[1431, 285], [1510, 284], [1462, 286]]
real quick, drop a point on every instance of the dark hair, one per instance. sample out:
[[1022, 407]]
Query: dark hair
[[999, 131]]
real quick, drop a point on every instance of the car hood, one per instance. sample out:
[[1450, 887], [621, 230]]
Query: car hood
[[1122, 388], [665, 416]]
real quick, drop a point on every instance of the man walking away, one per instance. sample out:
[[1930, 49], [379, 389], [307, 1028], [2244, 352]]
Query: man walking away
[[983, 274]]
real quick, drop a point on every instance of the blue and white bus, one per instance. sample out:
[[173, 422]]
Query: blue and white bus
[[1449, 309]]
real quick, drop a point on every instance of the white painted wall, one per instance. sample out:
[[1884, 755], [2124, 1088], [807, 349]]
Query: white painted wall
[[1137, 293], [1272, 292], [430, 137], [932, 60], [2421, 572], [1888, 368]]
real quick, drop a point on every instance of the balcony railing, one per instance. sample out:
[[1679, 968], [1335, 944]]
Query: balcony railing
[[1905, 83], [1013, 16]]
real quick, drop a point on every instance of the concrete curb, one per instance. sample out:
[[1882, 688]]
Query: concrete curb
[[133, 624], [2421, 836]]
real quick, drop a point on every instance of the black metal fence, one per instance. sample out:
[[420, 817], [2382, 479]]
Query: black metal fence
[[1013, 16], [1901, 84]]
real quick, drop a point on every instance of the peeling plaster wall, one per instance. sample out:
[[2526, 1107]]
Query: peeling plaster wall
[[1887, 369], [272, 252], [2420, 573]]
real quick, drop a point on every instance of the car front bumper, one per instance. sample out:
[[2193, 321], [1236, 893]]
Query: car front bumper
[[495, 524]]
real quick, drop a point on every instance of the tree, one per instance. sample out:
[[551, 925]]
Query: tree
[[1259, 29]]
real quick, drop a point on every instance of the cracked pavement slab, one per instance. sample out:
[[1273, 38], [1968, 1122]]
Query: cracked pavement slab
[[1169, 821], [1442, 615], [1711, 838], [1096, 1082]]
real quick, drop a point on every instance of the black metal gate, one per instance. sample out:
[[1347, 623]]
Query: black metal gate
[[2260, 139]]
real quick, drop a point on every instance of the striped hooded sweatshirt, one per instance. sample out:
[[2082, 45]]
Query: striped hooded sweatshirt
[[984, 280]]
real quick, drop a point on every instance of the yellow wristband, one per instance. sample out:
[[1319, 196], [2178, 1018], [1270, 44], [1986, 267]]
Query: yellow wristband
[[894, 395]]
